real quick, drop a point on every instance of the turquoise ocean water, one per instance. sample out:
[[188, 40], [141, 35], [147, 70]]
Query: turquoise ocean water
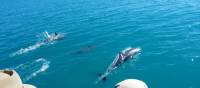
[[168, 31]]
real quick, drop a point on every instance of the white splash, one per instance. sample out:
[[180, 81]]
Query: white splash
[[49, 39], [30, 70], [44, 67], [28, 49], [192, 59]]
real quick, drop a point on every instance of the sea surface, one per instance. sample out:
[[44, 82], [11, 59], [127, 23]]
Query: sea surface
[[167, 31]]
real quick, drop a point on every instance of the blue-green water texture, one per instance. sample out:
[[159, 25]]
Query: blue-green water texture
[[167, 31]]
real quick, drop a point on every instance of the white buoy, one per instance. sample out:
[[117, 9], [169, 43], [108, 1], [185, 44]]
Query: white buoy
[[131, 83]]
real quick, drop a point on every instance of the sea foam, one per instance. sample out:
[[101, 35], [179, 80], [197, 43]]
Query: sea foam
[[31, 69], [28, 49]]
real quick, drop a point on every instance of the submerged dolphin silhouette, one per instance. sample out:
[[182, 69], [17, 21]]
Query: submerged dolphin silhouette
[[84, 50]]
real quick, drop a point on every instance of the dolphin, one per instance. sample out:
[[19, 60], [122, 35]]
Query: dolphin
[[121, 57], [52, 37]]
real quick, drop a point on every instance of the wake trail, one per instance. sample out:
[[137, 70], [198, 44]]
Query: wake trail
[[31, 69], [48, 39], [28, 49]]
